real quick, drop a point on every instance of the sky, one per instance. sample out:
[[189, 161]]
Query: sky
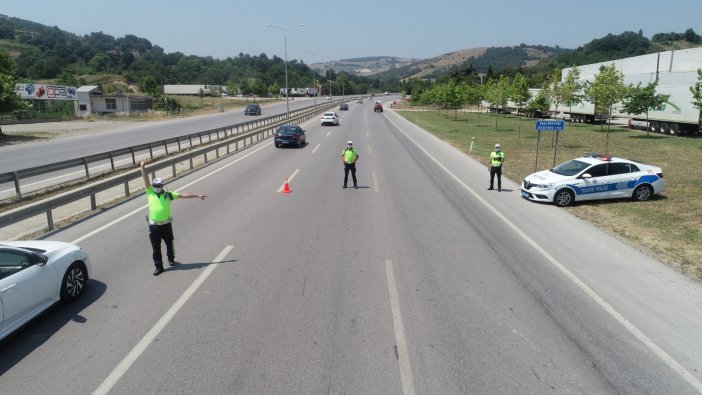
[[345, 29]]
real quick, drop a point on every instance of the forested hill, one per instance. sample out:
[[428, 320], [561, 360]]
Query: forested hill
[[48, 53], [624, 45], [541, 59]]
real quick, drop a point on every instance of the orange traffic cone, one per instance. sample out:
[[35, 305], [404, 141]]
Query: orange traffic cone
[[286, 187]]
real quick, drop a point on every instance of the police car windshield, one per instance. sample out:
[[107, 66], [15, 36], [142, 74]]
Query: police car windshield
[[570, 168]]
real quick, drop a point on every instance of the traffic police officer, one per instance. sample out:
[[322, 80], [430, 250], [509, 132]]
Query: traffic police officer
[[349, 156], [159, 218], [497, 158]]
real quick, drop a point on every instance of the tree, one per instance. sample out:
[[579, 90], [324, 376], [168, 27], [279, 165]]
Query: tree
[[150, 85], [520, 95], [570, 89], [538, 103], [605, 91], [696, 91], [497, 93], [639, 100], [100, 62], [553, 88], [9, 99]]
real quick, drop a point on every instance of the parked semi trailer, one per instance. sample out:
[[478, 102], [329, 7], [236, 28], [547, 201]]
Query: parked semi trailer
[[675, 71]]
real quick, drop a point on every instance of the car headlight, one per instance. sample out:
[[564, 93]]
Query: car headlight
[[545, 187]]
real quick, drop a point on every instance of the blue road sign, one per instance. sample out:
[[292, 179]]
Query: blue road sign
[[556, 125]]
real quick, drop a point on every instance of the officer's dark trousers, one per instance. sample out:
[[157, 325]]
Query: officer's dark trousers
[[158, 233], [496, 170], [352, 168]]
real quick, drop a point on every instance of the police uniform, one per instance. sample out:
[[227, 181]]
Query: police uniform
[[349, 155], [497, 158], [160, 225]]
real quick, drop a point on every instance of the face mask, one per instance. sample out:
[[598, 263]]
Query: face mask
[[158, 190]]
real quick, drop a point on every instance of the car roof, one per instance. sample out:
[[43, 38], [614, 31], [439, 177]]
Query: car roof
[[597, 159]]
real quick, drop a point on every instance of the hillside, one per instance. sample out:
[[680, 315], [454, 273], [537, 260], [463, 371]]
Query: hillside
[[366, 66]]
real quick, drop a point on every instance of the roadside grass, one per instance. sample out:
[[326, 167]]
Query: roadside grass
[[667, 227]]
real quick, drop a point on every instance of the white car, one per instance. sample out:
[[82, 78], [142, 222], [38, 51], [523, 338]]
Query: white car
[[330, 118], [36, 274], [593, 177]]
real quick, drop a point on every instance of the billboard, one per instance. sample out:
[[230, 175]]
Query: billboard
[[46, 92]]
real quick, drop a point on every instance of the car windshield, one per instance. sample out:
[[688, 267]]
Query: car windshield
[[570, 168], [328, 114], [287, 130]]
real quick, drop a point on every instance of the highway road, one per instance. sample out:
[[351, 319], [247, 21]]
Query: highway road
[[24, 156], [419, 282]]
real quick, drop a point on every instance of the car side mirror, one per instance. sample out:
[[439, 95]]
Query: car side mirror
[[39, 259], [586, 175]]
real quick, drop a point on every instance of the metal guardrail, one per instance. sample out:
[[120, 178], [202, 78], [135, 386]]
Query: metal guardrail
[[85, 162], [240, 142]]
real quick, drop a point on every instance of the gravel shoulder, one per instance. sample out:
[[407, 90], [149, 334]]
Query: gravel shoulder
[[62, 129]]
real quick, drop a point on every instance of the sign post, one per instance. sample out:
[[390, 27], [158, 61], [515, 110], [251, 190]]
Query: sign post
[[547, 125]]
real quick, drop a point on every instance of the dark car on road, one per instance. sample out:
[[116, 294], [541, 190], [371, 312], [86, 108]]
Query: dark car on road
[[252, 109], [289, 135], [344, 106]]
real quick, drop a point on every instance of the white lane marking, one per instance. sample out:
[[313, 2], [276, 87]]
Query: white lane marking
[[148, 339], [289, 179], [370, 152], [375, 182], [402, 353], [328, 133], [129, 214], [636, 332], [315, 148]]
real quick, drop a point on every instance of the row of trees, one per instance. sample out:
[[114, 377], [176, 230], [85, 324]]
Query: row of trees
[[605, 91]]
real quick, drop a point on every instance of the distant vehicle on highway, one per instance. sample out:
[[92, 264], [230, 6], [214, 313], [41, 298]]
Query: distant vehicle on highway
[[36, 274], [330, 118], [252, 109], [378, 107], [343, 106]]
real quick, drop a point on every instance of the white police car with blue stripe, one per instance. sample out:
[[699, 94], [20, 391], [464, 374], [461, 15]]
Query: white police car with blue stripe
[[594, 177]]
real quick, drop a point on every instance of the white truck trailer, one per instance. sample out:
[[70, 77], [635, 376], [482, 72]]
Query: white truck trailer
[[675, 71]]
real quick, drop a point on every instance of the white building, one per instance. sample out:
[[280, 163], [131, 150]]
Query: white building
[[91, 101]]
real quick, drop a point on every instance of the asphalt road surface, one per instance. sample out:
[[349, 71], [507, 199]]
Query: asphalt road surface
[[420, 281]]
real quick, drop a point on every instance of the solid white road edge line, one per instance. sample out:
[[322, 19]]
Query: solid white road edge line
[[636, 332], [140, 347], [400, 340], [129, 214]]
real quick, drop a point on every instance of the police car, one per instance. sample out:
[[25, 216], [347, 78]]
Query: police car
[[593, 177]]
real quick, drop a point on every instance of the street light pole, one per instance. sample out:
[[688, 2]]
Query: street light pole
[[314, 75], [287, 92]]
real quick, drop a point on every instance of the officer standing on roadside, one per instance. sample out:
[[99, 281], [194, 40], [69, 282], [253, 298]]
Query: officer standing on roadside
[[160, 219], [497, 158], [349, 156]]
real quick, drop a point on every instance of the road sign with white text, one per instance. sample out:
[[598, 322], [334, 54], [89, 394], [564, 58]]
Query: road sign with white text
[[554, 125]]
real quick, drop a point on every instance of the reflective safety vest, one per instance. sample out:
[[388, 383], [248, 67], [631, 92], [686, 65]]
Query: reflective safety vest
[[350, 154], [160, 205], [496, 158]]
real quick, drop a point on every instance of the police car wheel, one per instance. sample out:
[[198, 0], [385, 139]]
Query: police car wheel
[[563, 198], [643, 193]]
